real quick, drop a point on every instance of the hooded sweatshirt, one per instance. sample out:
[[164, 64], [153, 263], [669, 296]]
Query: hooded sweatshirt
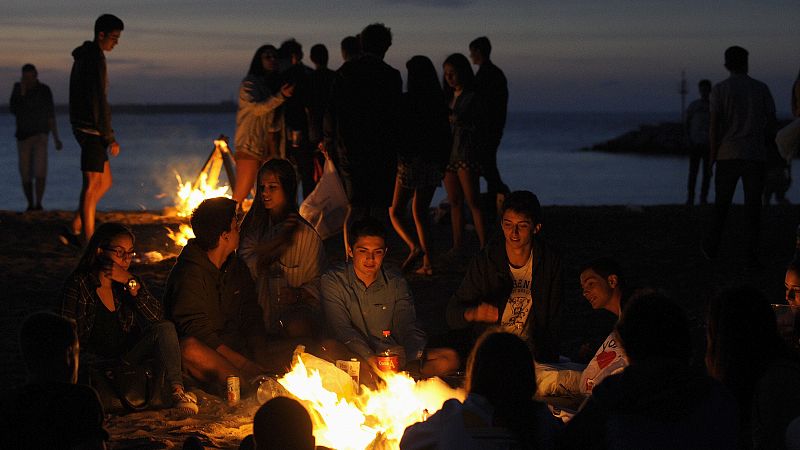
[[215, 306], [89, 111]]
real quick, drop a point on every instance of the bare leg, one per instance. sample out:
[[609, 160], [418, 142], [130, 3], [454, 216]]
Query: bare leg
[[420, 206], [345, 228], [246, 171], [205, 364], [456, 197], [27, 188], [40, 183], [396, 213], [469, 182], [95, 185]]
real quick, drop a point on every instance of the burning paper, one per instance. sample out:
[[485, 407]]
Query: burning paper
[[370, 420]]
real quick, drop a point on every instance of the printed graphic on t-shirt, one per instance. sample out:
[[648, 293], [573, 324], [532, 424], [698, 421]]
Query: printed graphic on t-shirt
[[609, 359], [520, 301]]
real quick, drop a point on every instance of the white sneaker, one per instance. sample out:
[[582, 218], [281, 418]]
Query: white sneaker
[[185, 402]]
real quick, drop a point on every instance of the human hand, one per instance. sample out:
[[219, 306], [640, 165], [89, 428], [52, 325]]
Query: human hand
[[113, 149], [484, 312], [59, 144], [287, 90]]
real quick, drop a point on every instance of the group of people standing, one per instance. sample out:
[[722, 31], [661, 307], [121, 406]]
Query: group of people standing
[[389, 147]]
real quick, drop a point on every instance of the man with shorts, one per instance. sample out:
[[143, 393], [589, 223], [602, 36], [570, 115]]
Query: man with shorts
[[90, 116], [32, 104]]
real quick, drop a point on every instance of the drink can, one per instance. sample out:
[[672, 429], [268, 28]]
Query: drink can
[[388, 362], [233, 390], [352, 368]]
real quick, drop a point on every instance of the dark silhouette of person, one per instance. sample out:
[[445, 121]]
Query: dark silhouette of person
[[491, 87], [742, 116], [351, 48], [51, 411], [320, 83], [423, 154], [365, 102], [296, 113], [90, 116], [659, 401], [32, 105], [698, 121], [281, 424], [748, 355]]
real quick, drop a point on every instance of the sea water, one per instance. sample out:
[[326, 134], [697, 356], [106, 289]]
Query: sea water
[[542, 152]]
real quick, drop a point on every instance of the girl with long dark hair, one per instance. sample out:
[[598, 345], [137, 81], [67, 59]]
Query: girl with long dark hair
[[259, 121], [117, 317]]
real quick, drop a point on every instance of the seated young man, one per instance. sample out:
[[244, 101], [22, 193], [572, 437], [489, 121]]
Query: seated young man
[[515, 283], [604, 288], [50, 410], [369, 308], [659, 401], [211, 298]]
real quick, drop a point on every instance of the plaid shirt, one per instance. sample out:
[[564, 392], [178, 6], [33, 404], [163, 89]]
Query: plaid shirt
[[79, 301]]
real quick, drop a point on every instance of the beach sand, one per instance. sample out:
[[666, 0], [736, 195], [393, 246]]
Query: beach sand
[[658, 247]]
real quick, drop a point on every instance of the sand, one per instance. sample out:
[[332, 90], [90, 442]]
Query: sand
[[658, 246]]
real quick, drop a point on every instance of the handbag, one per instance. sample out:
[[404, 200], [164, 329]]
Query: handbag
[[124, 387]]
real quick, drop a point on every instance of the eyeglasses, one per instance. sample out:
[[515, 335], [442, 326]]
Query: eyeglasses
[[120, 252]]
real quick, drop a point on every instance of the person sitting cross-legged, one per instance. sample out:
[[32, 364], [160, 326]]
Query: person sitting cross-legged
[[369, 309]]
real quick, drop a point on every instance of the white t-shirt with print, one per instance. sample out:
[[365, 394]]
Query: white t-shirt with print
[[609, 359], [520, 301]]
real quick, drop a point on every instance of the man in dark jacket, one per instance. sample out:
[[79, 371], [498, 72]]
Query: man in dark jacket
[[90, 116], [491, 87], [514, 283], [364, 106], [211, 298], [659, 401]]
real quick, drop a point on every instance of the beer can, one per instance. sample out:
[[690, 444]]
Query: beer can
[[388, 362], [233, 390]]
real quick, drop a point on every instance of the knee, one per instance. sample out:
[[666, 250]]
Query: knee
[[191, 348], [163, 328]]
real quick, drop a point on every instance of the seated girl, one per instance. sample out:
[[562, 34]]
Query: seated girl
[[117, 317]]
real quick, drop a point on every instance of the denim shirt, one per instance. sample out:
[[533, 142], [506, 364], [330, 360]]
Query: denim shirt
[[357, 315]]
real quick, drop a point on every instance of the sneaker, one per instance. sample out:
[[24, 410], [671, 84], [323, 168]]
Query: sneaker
[[185, 402]]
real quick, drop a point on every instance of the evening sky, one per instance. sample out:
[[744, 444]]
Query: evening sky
[[559, 55]]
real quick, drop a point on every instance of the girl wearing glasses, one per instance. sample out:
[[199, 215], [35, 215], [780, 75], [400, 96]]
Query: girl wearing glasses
[[284, 254], [118, 319]]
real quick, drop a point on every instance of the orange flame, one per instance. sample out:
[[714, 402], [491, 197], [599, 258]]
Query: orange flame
[[371, 419]]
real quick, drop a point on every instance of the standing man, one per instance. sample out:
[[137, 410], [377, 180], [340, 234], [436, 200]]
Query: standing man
[[32, 104], [492, 90], [90, 116], [698, 118], [365, 100], [742, 116]]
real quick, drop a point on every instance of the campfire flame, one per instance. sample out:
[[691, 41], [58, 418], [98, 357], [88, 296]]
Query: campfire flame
[[191, 194], [371, 419]]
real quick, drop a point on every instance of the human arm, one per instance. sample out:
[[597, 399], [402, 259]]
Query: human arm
[[715, 132], [335, 299], [16, 98], [76, 303], [254, 98], [51, 119], [469, 303]]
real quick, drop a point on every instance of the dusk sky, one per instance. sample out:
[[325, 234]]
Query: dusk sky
[[565, 55]]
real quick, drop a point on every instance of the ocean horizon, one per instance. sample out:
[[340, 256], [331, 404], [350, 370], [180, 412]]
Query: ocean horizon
[[541, 151]]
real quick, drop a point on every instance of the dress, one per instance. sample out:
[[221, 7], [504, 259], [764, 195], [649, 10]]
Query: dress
[[259, 120], [426, 141], [488, 279], [464, 119]]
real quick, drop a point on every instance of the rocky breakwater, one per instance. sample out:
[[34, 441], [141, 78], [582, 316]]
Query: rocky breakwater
[[661, 139]]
